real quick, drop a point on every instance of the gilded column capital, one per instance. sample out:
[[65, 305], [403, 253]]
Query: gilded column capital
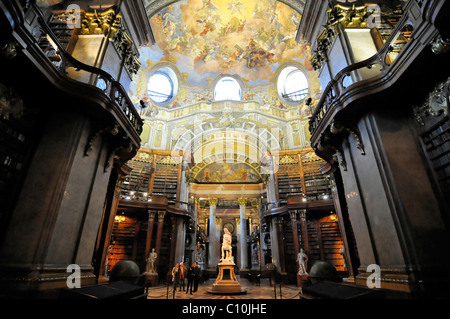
[[161, 215], [238, 221], [151, 215], [196, 201], [293, 214], [213, 201], [302, 214], [242, 201]]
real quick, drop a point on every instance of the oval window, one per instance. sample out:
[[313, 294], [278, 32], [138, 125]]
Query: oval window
[[227, 89], [162, 86], [293, 85]]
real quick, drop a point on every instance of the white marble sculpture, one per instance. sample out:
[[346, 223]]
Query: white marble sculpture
[[151, 262], [226, 246], [302, 260]]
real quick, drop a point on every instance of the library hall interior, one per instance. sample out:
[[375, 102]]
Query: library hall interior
[[224, 149]]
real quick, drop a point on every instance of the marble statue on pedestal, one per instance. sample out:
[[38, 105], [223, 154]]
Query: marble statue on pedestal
[[226, 282], [151, 262]]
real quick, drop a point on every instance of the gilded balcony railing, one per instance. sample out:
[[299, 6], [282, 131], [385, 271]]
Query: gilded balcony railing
[[30, 28], [410, 35]]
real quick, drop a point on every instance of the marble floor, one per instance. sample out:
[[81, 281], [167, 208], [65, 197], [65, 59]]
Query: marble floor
[[253, 291]]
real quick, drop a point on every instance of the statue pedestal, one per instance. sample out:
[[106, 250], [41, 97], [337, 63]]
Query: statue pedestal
[[226, 282], [301, 280], [150, 280]]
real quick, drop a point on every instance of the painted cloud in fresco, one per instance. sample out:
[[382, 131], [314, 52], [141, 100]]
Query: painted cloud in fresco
[[248, 38]]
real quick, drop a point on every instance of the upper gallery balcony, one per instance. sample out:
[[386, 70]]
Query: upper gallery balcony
[[364, 50]]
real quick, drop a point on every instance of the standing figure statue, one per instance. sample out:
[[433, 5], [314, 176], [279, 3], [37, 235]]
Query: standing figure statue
[[302, 260], [151, 262], [226, 246]]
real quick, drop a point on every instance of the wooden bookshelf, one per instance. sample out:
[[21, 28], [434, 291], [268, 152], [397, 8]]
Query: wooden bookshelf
[[122, 241], [137, 183], [289, 182], [166, 181], [17, 140], [436, 145], [331, 243], [316, 183]]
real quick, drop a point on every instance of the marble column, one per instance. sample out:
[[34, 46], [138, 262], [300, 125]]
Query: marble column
[[281, 252], [184, 186], [196, 203], [262, 245], [272, 199], [213, 251], [243, 237], [274, 242], [293, 215], [173, 243], [237, 258], [302, 214], [180, 240], [161, 215]]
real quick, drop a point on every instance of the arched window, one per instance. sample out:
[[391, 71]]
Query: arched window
[[162, 85], [293, 85], [227, 89]]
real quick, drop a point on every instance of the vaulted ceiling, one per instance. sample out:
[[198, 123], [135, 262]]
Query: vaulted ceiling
[[202, 40], [205, 38]]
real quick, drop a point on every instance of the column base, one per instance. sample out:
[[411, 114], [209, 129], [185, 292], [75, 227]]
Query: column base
[[425, 284], [42, 282]]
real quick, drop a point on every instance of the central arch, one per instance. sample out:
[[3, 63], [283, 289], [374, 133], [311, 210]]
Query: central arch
[[251, 145]]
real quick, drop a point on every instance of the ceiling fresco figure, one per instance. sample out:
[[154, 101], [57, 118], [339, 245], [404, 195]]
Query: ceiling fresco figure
[[204, 39]]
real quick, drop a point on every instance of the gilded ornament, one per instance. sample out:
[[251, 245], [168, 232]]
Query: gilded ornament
[[242, 201], [213, 201]]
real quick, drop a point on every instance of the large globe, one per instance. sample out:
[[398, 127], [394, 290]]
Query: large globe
[[323, 271], [125, 270]]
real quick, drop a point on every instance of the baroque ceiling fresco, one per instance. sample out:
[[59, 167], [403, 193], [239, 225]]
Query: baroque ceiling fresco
[[206, 38], [225, 173]]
